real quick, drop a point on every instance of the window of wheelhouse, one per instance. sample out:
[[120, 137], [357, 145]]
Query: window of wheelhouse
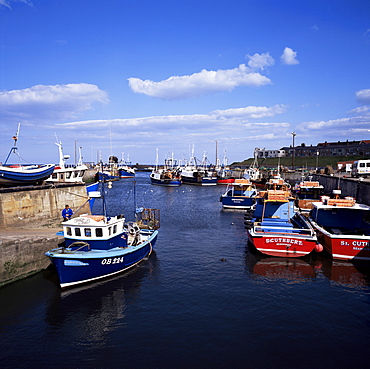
[[87, 232], [78, 232], [115, 228], [99, 232], [69, 231]]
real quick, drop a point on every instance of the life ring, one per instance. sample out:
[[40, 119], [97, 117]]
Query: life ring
[[132, 231]]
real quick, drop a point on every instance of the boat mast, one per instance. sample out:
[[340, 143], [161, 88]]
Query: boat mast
[[14, 148], [156, 160]]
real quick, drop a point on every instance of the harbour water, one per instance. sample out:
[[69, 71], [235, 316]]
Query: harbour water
[[201, 300]]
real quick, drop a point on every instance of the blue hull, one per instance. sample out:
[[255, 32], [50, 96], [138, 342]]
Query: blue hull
[[237, 202], [88, 266], [125, 174], [19, 177], [166, 182]]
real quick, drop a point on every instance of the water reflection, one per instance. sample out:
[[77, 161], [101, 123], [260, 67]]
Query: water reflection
[[290, 269], [305, 269], [344, 272], [100, 305]]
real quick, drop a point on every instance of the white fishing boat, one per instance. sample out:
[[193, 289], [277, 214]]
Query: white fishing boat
[[67, 173]]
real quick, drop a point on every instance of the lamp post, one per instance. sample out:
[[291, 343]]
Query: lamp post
[[317, 160], [293, 135]]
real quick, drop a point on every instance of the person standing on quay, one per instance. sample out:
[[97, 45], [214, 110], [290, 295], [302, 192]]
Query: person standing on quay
[[67, 213]]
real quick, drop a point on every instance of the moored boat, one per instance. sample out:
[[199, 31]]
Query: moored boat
[[276, 228], [240, 194], [197, 176], [23, 175], [168, 176], [125, 169], [201, 175], [225, 176], [306, 193], [100, 246], [343, 227], [67, 173]]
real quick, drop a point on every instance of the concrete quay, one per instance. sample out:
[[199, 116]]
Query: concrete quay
[[22, 251], [30, 217]]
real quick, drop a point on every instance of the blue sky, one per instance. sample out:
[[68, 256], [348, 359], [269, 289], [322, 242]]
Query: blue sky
[[133, 76]]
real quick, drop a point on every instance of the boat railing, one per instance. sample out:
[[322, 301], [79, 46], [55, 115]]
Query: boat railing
[[280, 230]]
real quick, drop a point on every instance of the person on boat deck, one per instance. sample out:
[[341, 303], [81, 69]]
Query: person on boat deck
[[67, 213]]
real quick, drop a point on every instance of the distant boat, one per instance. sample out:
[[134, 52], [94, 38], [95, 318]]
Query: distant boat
[[23, 175], [109, 171], [239, 195], [67, 173], [343, 227], [253, 173], [276, 228], [125, 169], [168, 176], [202, 174], [224, 173], [98, 246]]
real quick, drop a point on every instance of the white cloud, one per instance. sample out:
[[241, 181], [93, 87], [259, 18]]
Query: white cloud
[[360, 110], [260, 61], [289, 57], [211, 121], [363, 96], [204, 82], [331, 126], [253, 112], [57, 102], [6, 3]]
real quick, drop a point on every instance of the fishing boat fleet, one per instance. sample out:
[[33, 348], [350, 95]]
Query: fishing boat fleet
[[280, 220], [294, 223]]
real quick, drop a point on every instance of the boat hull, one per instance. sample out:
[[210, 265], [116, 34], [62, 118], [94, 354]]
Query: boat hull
[[165, 182], [200, 181], [24, 177], [86, 266], [282, 245], [225, 181], [237, 202], [344, 247], [125, 174]]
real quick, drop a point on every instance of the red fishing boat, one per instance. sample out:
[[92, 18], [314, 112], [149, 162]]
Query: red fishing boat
[[343, 227]]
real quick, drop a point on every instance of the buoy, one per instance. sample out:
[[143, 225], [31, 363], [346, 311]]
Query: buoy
[[318, 247], [223, 259]]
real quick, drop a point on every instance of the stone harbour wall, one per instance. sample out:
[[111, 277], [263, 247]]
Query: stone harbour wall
[[23, 255], [30, 217], [40, 206], [358, 189]]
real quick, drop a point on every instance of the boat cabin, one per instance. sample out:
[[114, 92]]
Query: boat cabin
[[99, 231]]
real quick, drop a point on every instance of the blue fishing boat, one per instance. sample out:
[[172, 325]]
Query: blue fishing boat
[[125, 169], [100, 246], [239, 195], [23, 175]]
